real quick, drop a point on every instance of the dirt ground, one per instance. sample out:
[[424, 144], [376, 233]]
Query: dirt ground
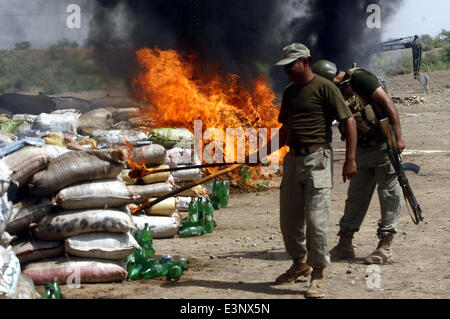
[[245, 253]]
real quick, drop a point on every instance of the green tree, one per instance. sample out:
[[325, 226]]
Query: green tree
[[445, 53], [427, 42], [66, 44], [24, 45], [442, 39]]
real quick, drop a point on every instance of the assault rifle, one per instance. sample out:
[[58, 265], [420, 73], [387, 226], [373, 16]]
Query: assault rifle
[[400, 170]]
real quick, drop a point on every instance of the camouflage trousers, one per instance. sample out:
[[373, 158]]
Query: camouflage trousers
[[374, 169], [305, 206]]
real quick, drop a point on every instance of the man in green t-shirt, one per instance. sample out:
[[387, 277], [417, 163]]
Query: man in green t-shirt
[[309, 105], [363, 92]]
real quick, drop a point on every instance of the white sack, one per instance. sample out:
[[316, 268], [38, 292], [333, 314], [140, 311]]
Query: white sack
[[67, 122], [101, 245], [70, 223], [161, 226]]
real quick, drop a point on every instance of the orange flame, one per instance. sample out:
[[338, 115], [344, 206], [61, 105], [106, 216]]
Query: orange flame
[[177, 93]]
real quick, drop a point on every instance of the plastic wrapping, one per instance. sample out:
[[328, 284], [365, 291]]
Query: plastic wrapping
[[172, 137], [9, 273], [67, 122], [69, 169]]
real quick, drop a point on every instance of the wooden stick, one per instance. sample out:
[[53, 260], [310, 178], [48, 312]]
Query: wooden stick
[[161, 170], [179, 190]]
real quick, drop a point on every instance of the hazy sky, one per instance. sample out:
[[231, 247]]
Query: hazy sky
[[43, 22], [418, 17]]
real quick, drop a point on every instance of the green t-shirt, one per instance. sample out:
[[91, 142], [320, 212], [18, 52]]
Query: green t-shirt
[[364, 83], [309, 109]]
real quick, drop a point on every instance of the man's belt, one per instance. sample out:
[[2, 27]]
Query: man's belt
[[368, 143], [307, 149]]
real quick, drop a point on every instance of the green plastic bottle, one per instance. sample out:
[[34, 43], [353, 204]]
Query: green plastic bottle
[[47, 293], [166, 262], [224, 192], [208, 217], [138, 266], [200, 205], [216, 194], [193, 212], [154, 271], [53, 295], [183, 266], [182, 262], [138, 237], [174, 273], [191, 231], [56, 288], [129, 261], [147, 242], [246, 174], [135, 272]]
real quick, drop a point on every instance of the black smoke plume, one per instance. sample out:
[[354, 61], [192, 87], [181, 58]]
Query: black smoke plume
[[241, 36]]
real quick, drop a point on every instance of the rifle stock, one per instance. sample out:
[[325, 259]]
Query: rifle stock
[[399, 171]]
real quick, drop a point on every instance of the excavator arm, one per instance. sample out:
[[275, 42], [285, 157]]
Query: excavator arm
[[412, 42]]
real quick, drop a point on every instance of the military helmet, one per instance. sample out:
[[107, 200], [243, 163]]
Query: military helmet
[[325, 68]]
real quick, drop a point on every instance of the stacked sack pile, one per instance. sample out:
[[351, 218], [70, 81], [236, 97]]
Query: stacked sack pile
[[70, 218], [66, 192], [90, 222]]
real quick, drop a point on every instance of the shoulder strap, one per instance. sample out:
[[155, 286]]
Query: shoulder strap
[[349, 74]]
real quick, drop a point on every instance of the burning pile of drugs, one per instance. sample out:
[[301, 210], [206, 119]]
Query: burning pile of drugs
[[85, 174]]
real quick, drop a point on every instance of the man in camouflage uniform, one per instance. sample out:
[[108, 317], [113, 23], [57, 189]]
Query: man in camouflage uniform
[[309, 105], [369, 103]]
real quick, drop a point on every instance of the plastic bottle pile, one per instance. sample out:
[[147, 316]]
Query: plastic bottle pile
[[142, 263], [201, 210]]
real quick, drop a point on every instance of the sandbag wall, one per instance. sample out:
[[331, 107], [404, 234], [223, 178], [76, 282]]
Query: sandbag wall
[[70, 195]]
